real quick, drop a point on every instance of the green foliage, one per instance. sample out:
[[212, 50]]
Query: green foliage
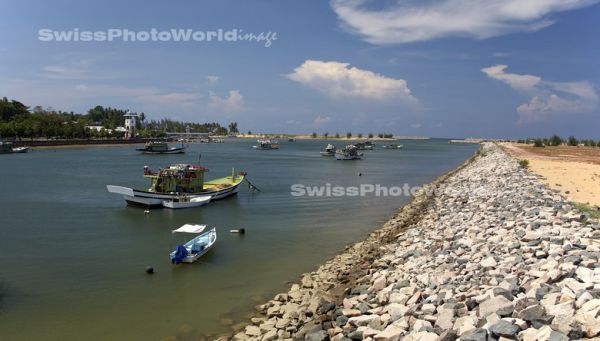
[[555, 140], [590, 211], [337, 135], [388, 136], [348, 135], [17, 122], [524, 163], [11, 109], [233, 128], [380, 135], [538, 143], [314, 135], [572, 141], [359, 135], [326, 134]]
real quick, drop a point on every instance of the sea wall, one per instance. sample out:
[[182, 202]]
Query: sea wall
[[488, 253]]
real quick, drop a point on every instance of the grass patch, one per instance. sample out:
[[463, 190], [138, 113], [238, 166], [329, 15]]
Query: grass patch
[[524, 163], [592, 211]]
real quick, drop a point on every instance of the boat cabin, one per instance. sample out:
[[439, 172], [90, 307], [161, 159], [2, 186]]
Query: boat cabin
[[180, 178]]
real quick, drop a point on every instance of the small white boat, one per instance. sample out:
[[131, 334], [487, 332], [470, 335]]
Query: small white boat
[[20, 150], [195, 248], [185, 201], [329, 150]]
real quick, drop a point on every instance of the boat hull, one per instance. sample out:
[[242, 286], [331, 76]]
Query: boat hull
[[168, 151], [208, 238], [194, 202]]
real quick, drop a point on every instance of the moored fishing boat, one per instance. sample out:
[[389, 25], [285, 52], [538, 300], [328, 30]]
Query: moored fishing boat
[[329, 150], [7, 148], [195, 248], [393, 146], [266, 145], [350, 152], [161, 147], [176, 180], [185, 201], [367, 145]]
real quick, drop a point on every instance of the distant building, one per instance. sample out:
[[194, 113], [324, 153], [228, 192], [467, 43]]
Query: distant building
[[130, 122]]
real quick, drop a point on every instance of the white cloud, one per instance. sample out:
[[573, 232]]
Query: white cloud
[[416, 125], [549, 98], [517, 82], [181, 99], [337, 80], [407, 21], [63, 72], [233, 103], [213, 79], [319, 120]]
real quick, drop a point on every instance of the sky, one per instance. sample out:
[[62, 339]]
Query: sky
[[446, 68]]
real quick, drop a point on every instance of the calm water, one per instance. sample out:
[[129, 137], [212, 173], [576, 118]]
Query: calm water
[[72, 256]]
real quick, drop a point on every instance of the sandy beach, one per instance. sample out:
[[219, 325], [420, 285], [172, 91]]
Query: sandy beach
[[574, 171]]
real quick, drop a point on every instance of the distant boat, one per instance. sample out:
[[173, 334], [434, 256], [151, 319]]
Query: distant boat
[[161, 147], [20, 150], [350, 152], [185, 201], [291, 139], [393, 146], [329, 150], [195, 248], [266, 145], [7, 148], [367, 145]]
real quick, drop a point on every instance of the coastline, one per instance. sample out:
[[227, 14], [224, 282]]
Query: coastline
[[333, 286], [440, 269]]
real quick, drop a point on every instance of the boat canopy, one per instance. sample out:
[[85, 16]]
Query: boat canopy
[[190, 228]]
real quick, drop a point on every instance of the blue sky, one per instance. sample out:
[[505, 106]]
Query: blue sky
[[448, 68]]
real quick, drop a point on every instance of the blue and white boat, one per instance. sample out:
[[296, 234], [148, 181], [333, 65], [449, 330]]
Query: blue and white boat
[[195, 248]]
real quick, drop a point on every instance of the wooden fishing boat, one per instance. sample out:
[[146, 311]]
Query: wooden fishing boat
[[195, 248], [180, 179], [350, 152]]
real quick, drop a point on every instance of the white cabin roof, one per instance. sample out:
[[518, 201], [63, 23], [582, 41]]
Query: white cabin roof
[[190, 228]]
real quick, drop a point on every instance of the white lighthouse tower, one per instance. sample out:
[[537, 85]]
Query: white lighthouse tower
[[130, 123]]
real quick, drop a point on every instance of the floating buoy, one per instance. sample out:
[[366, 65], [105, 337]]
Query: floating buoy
[[147, 212], [359, 174], [240, 231], [149, 270]]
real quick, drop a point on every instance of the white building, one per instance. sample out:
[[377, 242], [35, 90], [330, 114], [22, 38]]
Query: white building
[[130, 122]]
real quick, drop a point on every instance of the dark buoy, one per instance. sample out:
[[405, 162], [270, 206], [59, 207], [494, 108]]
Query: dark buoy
[[359, 174], [149, 270]]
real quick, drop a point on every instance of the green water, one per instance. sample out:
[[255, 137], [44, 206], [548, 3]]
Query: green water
[[72, 255]]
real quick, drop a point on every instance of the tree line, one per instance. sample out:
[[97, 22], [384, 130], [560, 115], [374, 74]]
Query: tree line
[[18, 121], [556, 140]]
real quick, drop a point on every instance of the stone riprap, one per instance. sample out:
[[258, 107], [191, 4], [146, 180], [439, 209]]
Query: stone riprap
[[493, 254]]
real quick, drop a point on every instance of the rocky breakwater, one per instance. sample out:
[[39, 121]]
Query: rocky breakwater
[[492, 255]]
